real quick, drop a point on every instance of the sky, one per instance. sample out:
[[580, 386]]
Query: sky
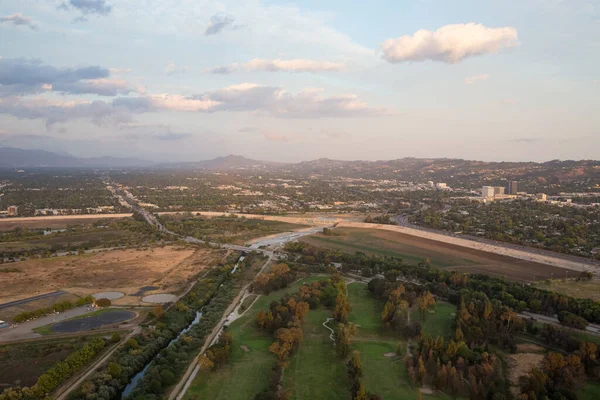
[[186, 80]]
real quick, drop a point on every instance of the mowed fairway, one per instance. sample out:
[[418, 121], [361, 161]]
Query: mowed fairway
[[438, 323], [414, 249], [315, 371], [247, 372], [385, 376]]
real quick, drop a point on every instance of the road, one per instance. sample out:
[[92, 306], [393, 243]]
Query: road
[[182, 386], [27, 300], [591, 328], [69, 387]]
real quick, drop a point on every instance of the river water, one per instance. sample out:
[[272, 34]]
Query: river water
[[136, 379]]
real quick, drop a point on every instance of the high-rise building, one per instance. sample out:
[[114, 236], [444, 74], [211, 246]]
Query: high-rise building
[[13, 211], [512, 187], [487, 192], [498, 190]]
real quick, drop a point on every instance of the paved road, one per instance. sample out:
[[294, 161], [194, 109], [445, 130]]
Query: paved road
[[27, 300], [25, 330], [182, 386], [591, 328]]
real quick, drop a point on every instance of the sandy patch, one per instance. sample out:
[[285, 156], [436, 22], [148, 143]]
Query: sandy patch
[[521, 364], [160, 298], [245, 348], [530, 348], [108, 295], [389, 355]]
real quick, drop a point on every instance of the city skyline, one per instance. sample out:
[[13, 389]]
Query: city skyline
[[174, 81]]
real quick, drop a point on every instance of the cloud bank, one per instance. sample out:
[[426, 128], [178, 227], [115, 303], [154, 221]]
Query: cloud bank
[[295, 65], [28, 76], [450, 43], [245, 97]]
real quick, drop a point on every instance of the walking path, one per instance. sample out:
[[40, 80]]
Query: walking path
[[332, 335]]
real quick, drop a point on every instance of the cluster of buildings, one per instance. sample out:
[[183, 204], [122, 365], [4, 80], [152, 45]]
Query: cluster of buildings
[[11, 211], [500, 192]]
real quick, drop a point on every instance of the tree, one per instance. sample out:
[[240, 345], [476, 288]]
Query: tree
[[115, 370], [158, 311], [115, 338], [344, 335], [103, 303], [205, 363], [426, 303]]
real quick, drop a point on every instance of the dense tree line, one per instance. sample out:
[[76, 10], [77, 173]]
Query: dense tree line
[[57, 307], [108, 382], [56, 375], [278, 277], [457, 369], [355, 372], [283, 320], [448, 284]]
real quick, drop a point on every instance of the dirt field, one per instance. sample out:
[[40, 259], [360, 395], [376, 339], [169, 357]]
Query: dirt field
[[168, 269], [443, 255], [520, 364], [57, 222]]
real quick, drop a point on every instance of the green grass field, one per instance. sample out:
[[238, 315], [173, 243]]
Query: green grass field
[[591, 391], [387, 376], [365, 309], [315, 371], [439, 323], [378, 242], [249, 370]]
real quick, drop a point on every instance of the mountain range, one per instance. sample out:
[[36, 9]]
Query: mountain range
[[412, 169]]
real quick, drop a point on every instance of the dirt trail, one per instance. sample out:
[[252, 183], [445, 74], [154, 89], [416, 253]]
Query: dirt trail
[[63, 392]]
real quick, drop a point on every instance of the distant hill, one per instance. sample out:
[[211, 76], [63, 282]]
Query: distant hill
[[21, 158], [224, 163]]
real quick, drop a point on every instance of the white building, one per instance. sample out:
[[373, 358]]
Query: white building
[[13, 211], [541, 196], [487, 192], [441, 185]]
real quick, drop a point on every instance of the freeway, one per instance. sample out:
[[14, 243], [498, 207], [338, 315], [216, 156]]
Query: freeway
[[553, 320]]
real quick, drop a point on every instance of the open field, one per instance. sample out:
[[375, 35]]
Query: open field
[[581, 289], [248, 369], [315, 371], [500, 249], [53, 222], [25, 362], [440, 322], [87, 240], [386, 376], [442, 255], [591, 391], [167, 268], [365, 308]]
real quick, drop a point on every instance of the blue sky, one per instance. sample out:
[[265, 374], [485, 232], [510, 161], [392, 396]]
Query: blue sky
[[189, 80]]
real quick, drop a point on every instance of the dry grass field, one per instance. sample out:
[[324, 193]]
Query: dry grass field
[[168, 269], [55, 222], [442, 255]]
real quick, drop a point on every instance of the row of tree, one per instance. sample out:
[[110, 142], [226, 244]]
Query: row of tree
[[448, 284], [57, 307], [58, 374]]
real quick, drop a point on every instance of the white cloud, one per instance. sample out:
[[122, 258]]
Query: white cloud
[[119, 71], [19, 19], [476, 78], [172, 69], [277, 65], [450, 43], [180, 103]]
